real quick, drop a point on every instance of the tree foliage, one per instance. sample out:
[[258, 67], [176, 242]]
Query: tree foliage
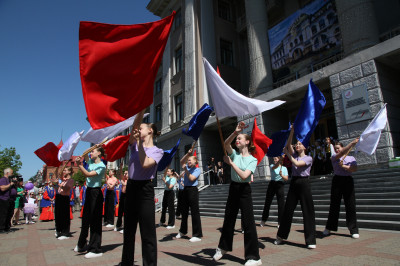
[[79, 177], [10, 159]]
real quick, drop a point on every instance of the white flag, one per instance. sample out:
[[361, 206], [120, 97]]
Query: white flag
[[370, 137], [228, 102], [69, 146], [97, 136]]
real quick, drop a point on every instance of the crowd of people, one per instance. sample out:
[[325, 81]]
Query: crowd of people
[[130, 195]]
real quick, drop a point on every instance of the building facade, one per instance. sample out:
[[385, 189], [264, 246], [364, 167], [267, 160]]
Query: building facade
[[270, 50]]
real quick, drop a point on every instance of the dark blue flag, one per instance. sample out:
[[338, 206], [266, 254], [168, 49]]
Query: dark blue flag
[[278, 143], [309, 113], [167, 157], [198, 122]]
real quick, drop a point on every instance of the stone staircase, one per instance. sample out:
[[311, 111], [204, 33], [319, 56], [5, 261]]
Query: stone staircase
[[377, 200]]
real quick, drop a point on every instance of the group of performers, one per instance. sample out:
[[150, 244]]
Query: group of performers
[[137, 194]]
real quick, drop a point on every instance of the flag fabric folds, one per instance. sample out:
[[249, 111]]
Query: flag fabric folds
[[228, 102], [260, 141], [69, 146], [308, 116], [278, 143], [49, 154], [98, 135], [167, 157], [116, 148], [118, 66], [198, 122], [370, 137]]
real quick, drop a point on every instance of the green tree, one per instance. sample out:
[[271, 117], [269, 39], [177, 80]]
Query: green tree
[[79, 177], [10, 158]]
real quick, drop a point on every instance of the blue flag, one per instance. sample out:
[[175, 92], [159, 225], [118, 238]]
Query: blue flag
[[309, 113], [278, 143], [198, 122], [167, 157]]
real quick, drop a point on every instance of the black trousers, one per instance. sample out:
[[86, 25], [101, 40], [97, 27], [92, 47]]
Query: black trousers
[[168, 202], [274, 188], [191, 200], [179, 205], [342, 186], [4, 204], [121, 209], [61, 215], [140, 208], [91, 218], [109, 207], [299, 190], [240, 198], [11, 206]]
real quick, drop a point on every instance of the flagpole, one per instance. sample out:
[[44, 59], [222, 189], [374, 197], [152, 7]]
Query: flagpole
[[220, 135], [194, 144], [347, 153], [93, 147]]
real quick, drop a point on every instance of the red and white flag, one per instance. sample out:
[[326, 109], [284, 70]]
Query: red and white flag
[[66, 151]]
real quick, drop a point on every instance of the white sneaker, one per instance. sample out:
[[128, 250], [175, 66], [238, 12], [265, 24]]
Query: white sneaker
[[311, 246], [179, 235], [278, 241], [253, 262], [170, 227], [355, 236], [56, 234], [326, 232], [195, 239], [262, 224], [122, 231], [63, 237], [218, 254], [92, 255], [109, 226], [115, 229], [80, 250]]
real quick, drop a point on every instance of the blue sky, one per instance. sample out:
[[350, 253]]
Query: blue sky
[[40, 88]]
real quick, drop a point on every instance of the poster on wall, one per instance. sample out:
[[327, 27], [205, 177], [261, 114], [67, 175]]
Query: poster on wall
[[305, 39], [356, 104]]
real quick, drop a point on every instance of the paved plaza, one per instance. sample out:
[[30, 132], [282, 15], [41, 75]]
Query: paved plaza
[[36, 245]]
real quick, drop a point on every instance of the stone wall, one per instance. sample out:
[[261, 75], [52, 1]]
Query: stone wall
[[365, 73]]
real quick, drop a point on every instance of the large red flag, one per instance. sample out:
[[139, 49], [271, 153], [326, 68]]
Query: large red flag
[[116, 148], [49, 154], [260, 141], [118, 66]]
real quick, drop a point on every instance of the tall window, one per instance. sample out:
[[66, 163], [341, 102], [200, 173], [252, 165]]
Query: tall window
[[178, 107], [158, 86], [158, 113], [322, 24], [178, 60], [224, 10], [177, 19], [226, 53]]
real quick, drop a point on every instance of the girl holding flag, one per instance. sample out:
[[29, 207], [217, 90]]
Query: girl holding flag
[[93, 204], [243, 165], [279, 175], [343, 186], [62, 208], [299, 190], [190, 197], [169, 180], [139, 199]]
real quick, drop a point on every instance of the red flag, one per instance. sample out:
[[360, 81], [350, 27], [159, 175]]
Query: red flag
[[116, 148], [260, 141], [60, 144], [118, 66], [218, 71], [49, 154], [195, 155]]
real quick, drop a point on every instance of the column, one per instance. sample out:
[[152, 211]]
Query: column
[[358, 24], [260, 64], [166, 89]]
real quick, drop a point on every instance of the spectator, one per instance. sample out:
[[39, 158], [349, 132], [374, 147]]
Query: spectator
[[5, 187], [212, 170]]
